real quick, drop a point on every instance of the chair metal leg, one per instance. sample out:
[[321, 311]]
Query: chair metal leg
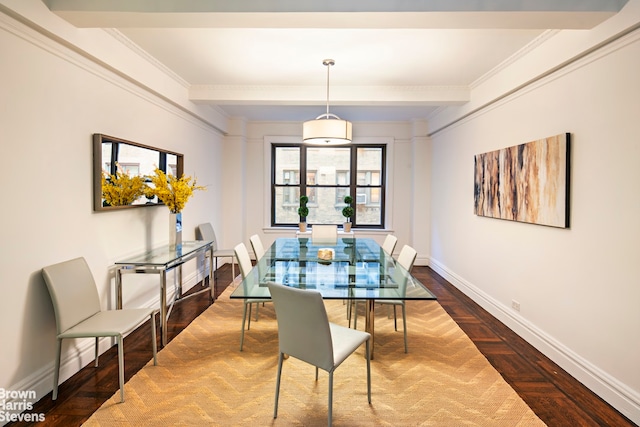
[[121, 367], [368, 371], [330, 397], [275, 408], [153, 339], [395, 319], [354, 313], [56, 372], [244, 318], [404, 327], [257, 308], [215, 269], [95, 355]]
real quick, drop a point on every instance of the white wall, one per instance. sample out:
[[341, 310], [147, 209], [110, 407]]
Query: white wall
[[53, 100], [578, 288]]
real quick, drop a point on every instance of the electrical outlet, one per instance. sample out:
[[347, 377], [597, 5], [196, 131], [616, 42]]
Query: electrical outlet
[[515, 305]]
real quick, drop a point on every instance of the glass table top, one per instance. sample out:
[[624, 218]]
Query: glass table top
[[358, 269], [165, 256]]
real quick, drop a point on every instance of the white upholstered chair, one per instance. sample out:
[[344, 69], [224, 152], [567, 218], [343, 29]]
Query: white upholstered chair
[[205, 232], [324, 234], [389, 244], [76, 304], [406, 259], [257, 246], [304, 332], [244, 261]]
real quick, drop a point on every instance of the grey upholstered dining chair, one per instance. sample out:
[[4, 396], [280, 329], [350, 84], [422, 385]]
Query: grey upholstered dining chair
[[324, 234], [205, 232], [242, 255], [304, 332], [257, 246], [406, 259], [389, 244], [76, 304]]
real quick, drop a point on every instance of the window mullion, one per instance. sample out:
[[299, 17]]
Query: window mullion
[[353, 180], [303, 171]]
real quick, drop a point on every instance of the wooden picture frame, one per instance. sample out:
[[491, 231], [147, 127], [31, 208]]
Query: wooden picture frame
[[526, 183]]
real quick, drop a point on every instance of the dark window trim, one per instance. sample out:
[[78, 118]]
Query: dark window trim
[[353, 187]]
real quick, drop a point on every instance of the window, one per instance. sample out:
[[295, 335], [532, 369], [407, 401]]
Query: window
[[326, 175]]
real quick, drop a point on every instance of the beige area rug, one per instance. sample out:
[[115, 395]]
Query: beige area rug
[[203, 379]]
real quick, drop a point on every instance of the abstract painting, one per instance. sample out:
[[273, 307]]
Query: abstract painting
[[526, 183]]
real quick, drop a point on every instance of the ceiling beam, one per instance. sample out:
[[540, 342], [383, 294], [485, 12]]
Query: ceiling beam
[[534, 14], [341, 95]]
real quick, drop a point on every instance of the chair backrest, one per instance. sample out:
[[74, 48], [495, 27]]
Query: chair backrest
[[258, 247], [244, 261], [407, 257], [205, 232], [303, 325], [324, 233], [389, 243], [73, 292]]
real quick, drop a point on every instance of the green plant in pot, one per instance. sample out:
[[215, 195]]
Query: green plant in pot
[[347, 212], [303, 211]]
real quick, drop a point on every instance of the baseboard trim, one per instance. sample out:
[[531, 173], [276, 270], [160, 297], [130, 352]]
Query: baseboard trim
[[610, 389]]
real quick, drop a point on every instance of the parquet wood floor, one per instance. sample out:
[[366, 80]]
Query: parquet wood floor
[[556, 397]]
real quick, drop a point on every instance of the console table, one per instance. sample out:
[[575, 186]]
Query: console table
[[159, 261]]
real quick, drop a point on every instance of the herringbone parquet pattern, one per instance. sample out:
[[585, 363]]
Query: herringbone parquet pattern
[[203, 379]]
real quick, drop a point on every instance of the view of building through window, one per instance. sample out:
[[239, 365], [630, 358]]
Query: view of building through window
[[326, 175]]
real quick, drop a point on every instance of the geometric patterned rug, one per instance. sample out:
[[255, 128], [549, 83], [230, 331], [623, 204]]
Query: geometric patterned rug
[[202, 379]]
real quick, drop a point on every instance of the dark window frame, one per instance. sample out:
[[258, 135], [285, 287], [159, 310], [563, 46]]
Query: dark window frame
[[352, 186]]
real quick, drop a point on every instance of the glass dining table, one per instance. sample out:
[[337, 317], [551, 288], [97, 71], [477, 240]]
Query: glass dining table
[[344, 269]]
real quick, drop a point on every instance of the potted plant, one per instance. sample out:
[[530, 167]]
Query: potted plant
[[347, 212], [303, 211]]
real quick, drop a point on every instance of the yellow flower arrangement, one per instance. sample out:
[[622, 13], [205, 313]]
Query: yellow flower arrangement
[[173, 192], [121, 189]]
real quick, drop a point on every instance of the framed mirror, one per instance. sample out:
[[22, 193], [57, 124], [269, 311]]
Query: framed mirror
[[118, 158]]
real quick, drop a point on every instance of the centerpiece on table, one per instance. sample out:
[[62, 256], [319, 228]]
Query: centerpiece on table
[[174, 193], [326, 254], [121, 189]]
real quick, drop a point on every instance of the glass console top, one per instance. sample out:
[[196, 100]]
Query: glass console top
[[165, 256]]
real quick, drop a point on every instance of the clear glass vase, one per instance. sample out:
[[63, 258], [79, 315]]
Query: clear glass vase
[[175, 229]]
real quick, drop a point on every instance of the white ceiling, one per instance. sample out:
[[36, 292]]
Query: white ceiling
[[395, 60]]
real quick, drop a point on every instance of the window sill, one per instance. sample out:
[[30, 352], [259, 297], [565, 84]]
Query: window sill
[[287, 230]]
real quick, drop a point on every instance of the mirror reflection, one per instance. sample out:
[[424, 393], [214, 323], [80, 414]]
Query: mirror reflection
[[121, 170]]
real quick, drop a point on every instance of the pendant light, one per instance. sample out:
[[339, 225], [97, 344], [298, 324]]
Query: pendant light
[[327, 129]]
